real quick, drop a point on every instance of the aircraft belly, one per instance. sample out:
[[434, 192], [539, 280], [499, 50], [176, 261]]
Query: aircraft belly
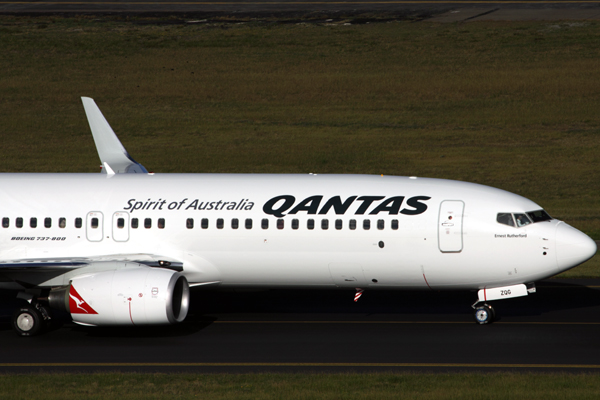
[[297, 262]]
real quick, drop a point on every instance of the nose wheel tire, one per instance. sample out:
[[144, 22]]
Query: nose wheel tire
[[484, 314], [28, 321]]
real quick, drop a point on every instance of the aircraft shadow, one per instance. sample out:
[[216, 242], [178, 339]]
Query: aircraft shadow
[[556, 298], [551, 296]]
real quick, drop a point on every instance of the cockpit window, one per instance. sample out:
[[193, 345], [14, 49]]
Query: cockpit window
[[522, 220], [506, 219], [539, 216]]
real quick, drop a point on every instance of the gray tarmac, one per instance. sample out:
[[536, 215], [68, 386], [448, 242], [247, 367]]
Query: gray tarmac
[[555, 329]]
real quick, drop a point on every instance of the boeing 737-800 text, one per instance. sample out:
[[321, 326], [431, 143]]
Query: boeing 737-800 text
[[123, 247]]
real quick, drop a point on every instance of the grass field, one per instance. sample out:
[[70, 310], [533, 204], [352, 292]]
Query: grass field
[[303, 386]]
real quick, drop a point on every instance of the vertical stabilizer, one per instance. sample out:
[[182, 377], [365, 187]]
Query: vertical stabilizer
[[110, 149]]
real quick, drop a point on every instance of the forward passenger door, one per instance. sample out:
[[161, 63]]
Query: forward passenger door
[[450, 226]]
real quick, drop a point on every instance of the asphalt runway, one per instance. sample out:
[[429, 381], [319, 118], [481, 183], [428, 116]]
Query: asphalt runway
[[555, 329]]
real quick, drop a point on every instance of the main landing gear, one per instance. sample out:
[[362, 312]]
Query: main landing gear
[[31, 318], [484, 314]]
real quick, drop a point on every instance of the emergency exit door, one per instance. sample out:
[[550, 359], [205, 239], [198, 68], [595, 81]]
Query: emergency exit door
[[120, 227], [94, 226], [450, 226]]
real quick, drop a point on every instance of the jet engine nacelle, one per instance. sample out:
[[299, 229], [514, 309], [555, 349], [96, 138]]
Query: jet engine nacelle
[[128, 296]]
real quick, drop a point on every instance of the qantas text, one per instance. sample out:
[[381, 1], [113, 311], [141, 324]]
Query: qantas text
[[280, 206]]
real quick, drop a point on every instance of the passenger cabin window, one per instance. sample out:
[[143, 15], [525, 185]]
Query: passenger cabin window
[[264, 223], [120, 223], [280, 223], [189, 223], [395, 224], [5, 222], [48, 222], [366, 224], [352, 224], [380, 224], [33, 222], [134, 223], [324, 224], [19, 222], [338, 224], [204, 223], [235, 223], [148, 223], [248, 223], [295, 224], [310, 224], [94, 223], [220, 223], [62, 223], [78, 223], [161, 223]]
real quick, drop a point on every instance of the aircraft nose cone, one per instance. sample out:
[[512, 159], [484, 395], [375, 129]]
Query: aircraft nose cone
[[572, 247]]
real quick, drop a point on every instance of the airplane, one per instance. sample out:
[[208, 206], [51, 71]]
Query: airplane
[[124, 247]]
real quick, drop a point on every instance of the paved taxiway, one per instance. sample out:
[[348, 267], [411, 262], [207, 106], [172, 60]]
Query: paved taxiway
[[555, 329]]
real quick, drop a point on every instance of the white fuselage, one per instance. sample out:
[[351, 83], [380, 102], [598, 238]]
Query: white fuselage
[[423, 232]]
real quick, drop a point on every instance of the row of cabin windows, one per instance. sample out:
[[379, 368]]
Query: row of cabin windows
[[94, 223], [33, 222], [280, 224], [204, 223]]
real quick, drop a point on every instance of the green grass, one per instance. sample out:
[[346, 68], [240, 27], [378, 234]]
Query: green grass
[[514, 105], [302, 386]]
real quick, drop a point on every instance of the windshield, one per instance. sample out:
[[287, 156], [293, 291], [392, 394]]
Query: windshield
[[505, 218], [539, 216], [521, 219]]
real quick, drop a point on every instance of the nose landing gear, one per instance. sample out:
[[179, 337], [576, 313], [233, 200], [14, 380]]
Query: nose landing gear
[[484, 314]]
